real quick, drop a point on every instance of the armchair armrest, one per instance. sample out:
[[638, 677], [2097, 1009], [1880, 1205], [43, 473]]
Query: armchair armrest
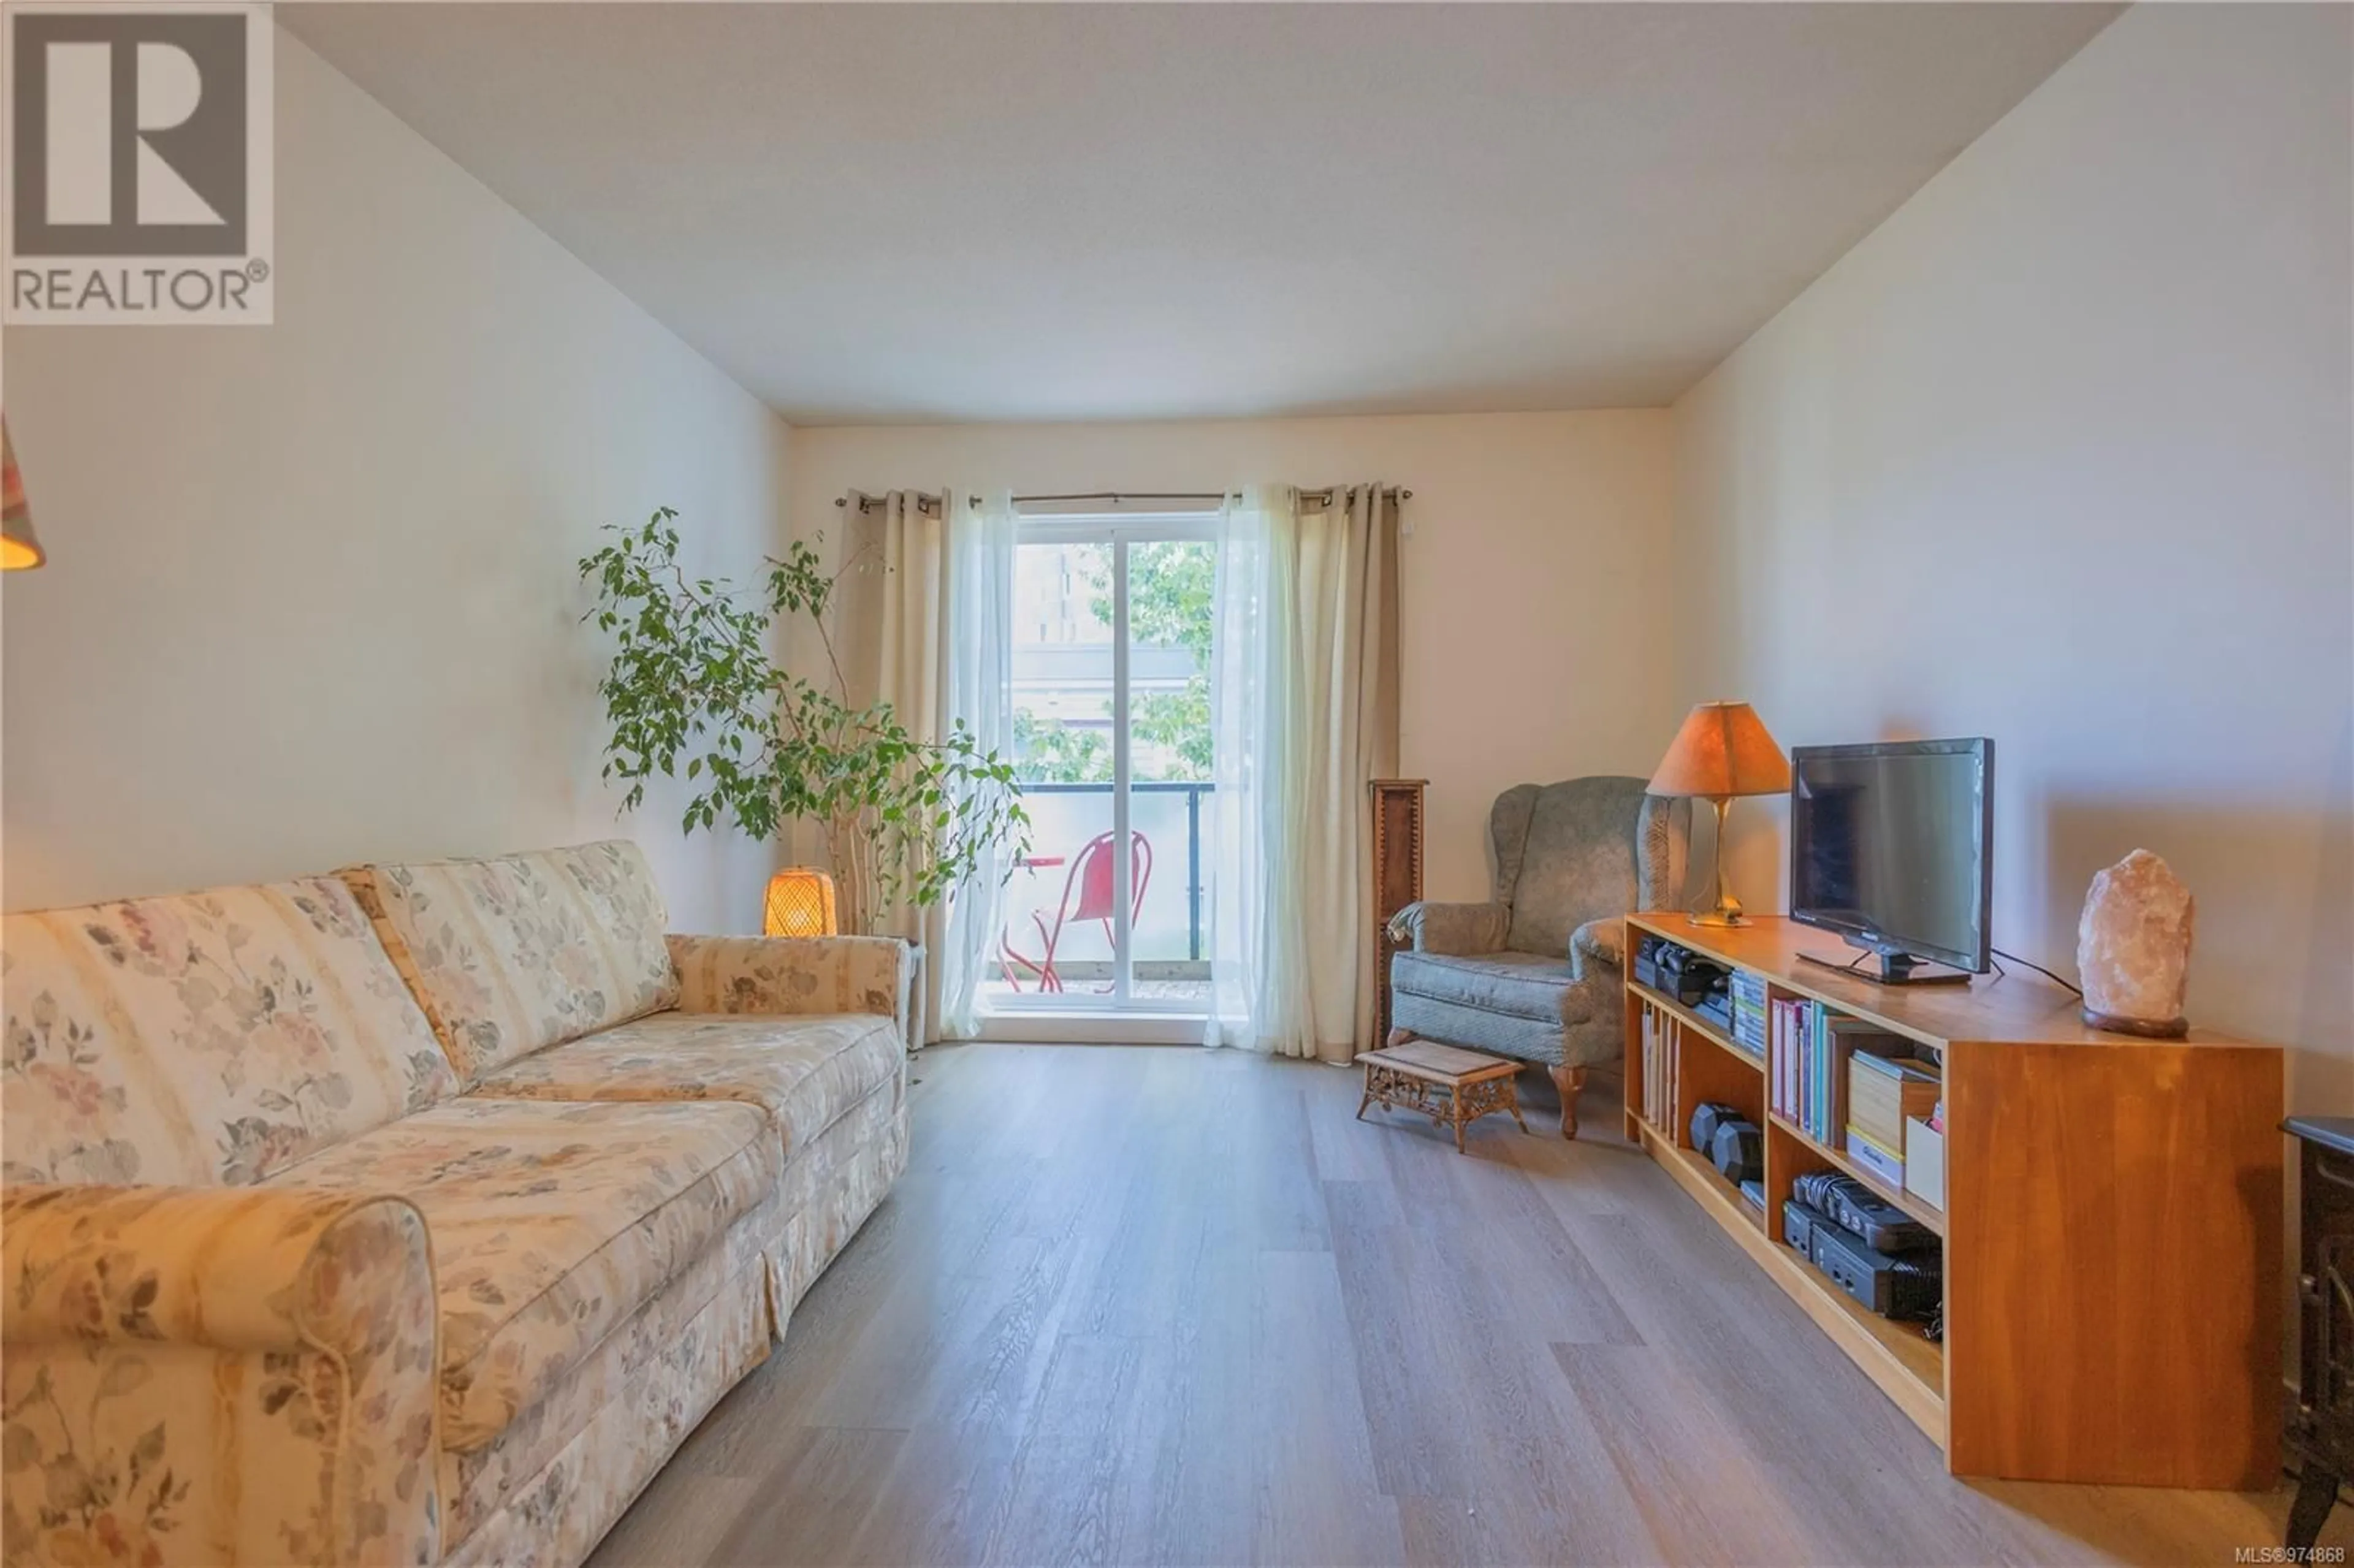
[[1463, 930], [245, 1374], [1601, 941], [793, 974]]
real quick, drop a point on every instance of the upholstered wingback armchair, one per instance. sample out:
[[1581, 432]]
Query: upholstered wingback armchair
[[1536, 973]]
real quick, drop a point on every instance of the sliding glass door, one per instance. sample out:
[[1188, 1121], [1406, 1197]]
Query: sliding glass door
[[1112, 739]]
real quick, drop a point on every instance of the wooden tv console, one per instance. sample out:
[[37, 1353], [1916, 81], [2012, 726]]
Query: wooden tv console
[[2111, 1219]]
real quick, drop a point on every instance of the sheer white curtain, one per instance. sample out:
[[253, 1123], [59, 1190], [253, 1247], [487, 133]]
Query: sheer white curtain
[[1249, 682], [944, 654], [980, 692], [1304, 694]]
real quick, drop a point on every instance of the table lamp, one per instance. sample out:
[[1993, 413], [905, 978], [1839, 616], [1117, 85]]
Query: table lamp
[[19, 546], [800, 903], [1723, 750]]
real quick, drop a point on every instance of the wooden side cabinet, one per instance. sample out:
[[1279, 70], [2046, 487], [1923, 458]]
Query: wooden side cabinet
[[2321, 1433], [1397, 881]]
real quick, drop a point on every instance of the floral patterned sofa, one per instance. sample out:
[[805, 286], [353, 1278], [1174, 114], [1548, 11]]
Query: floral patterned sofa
[[414, 1214]]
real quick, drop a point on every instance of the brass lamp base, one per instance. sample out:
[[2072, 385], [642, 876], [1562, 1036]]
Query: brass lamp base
[[1727, 908]]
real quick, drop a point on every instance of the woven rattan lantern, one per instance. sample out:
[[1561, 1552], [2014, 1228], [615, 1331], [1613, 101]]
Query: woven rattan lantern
[[800, 903]]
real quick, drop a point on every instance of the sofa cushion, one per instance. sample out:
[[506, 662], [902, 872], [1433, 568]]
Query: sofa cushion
[[769, 1254], [804, 1070], [522, 951], [552, 1225], [1517, 985], [205, 1039]]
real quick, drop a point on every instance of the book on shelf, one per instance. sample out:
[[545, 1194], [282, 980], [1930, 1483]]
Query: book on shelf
[[1808, 1045], [1781, 1061], [1659, 1049], [1884, 1092], [1793, 1034], [1649, 1024], [1925, 1161], [1672, 1061], [1658, 1069], [1749, 1012], [1875, 1158]]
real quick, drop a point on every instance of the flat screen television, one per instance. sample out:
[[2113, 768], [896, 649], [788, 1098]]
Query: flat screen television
[[1891, 847]]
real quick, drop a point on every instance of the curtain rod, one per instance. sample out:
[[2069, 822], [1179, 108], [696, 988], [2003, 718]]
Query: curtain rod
[[931, 502], [925, 503]]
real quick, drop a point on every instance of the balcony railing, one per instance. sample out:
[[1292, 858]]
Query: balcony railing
[[1063, 821]]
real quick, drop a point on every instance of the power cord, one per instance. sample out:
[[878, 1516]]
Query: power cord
[[2039, 968]]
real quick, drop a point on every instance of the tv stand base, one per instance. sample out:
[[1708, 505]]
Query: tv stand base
[[1894, 969]]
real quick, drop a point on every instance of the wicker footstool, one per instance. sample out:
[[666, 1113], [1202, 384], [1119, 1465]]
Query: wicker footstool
[[1443, 1082]]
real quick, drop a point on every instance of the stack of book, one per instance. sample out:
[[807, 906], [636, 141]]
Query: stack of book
[[1659, 1071], [1808, 1044], [1790, 1032], [1883, 1092], [1749, 1012]]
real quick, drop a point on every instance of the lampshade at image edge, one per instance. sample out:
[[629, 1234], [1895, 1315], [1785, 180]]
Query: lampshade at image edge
[[19, 546]]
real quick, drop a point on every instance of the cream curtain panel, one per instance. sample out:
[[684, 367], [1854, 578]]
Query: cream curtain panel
[[1305, 705], [941, 606]]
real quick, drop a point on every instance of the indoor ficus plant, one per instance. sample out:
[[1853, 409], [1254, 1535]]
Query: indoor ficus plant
[[694, 691]]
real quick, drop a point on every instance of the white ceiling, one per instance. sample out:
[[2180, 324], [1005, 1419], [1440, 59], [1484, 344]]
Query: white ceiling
[[916, 212]]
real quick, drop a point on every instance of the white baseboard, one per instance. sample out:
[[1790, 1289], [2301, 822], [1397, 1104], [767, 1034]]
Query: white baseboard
[[1105, 1028]]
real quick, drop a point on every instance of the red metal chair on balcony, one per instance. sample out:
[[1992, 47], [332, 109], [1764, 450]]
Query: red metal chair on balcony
[[1089, 882]]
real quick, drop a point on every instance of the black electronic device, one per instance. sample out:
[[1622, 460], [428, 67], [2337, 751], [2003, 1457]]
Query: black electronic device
[[1855, 1207], [1738, 1152], [1891, 847], [1647, 961], [1689, 978], [1912, 1288]]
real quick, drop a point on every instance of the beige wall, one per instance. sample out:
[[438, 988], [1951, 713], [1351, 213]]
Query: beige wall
[[2060, 455], [311, 596], [1539, 541]]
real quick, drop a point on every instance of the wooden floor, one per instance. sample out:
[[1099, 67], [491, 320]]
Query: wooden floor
[[1136, 1305]]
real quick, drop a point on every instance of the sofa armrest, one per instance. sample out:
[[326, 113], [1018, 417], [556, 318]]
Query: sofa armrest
[[232, 1268], [246, 1374], [1461, 929], [785, 975], [1599, 941]]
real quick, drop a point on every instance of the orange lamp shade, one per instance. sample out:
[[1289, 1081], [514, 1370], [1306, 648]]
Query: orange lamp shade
[[800, 903], [19, 546], [1722, 750]]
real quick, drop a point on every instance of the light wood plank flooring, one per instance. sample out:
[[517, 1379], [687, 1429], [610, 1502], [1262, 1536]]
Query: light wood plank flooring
[[1138, 1305]]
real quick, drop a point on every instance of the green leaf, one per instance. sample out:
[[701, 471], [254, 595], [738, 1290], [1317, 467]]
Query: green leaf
[[692, 666]]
